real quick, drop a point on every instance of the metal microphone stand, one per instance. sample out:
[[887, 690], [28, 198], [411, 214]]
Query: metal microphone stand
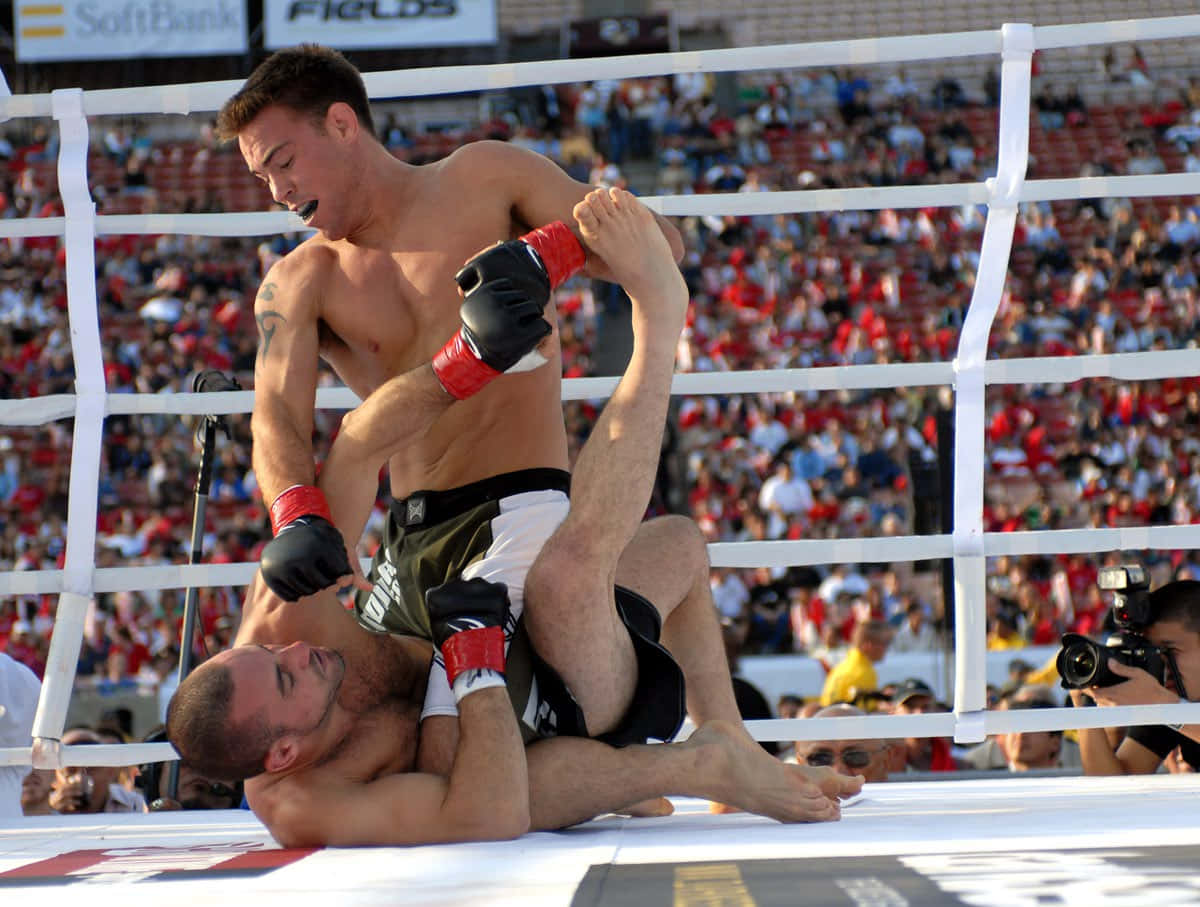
[[205, 382]]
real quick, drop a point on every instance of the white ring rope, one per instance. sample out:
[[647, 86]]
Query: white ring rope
[[1064, 369], [970, 373], [801, 552], [206, 96], [116, 754], [262, 223], [864, 727]]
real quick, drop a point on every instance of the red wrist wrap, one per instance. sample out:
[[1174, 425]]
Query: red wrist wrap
[[559, 250], [468, 649], [461, 372], [298, 501]]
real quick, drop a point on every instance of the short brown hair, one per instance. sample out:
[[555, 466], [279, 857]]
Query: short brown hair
[[306, 79], [1178, 601], [879, 631], [199, 727]]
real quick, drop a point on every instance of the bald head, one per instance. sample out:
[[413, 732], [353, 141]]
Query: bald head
[[869, 758], [201, 727]]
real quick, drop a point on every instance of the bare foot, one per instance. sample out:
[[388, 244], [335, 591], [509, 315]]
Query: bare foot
[[830, 782], [751, 779], [623, 232]]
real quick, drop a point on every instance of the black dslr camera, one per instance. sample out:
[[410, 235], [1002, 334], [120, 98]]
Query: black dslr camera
[[1083, 662]]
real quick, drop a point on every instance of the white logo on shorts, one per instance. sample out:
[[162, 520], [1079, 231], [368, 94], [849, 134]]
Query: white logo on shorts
[[416, 510]]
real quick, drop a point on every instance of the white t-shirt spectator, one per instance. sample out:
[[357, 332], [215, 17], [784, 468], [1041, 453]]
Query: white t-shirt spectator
[[19, 691], [770, 435], [903, 133], [1183, 133], [1010, 460], [906, 639], [842, 580], [900, 86], [785, 495], [961, 157], [1145, 164], [730, 595], [1182, 231], [162, 308]]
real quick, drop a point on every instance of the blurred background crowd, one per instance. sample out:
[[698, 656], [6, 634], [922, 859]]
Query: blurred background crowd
[[789, 291]]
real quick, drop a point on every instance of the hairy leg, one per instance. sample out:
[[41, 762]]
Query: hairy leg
[[573, 779], [569, 608], [684, 598], [692, 634]]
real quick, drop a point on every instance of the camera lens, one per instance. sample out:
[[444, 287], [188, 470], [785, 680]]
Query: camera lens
[[1078, 663], [1082, 663]]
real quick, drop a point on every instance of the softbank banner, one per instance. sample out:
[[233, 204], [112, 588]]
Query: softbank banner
[[117, 29], [363, 24]]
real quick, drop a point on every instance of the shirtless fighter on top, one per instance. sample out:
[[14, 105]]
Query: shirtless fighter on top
[[330, 732], [373, 294]]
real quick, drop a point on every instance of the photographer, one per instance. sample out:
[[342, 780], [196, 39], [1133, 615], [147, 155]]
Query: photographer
[[194, 790], [92, 789], [1172, 624]]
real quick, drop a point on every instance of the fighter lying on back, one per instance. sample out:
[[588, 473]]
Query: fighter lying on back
[[333, 731]]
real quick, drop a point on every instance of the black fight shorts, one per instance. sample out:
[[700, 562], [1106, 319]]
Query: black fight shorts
[[658, 707]]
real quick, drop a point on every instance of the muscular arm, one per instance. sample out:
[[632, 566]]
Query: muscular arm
[[485, 797], [1130, 758], [1098, 757], [317, 619], [573, 779], [400, 410], [1097, 752], [542, 192], [285, 375]]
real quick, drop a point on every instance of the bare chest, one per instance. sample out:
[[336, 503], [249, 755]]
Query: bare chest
[[378, 747], [384, 743], [388, 312]]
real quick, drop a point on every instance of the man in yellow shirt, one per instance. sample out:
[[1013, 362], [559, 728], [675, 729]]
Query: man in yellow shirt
[[1005, 634], [855, 674]]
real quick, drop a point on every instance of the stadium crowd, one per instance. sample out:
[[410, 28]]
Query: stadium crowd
[[788, 291]]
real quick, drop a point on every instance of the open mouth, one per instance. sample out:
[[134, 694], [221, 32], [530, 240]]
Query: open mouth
[[306, 211]]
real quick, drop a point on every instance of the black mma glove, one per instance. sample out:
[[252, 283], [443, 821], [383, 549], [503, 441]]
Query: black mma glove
[[467, 618], [506, 289], [502, 326], [308, 553], [545, 257]]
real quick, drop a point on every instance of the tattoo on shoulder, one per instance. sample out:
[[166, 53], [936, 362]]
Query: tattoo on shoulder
[[267, 291], [268, 321]]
